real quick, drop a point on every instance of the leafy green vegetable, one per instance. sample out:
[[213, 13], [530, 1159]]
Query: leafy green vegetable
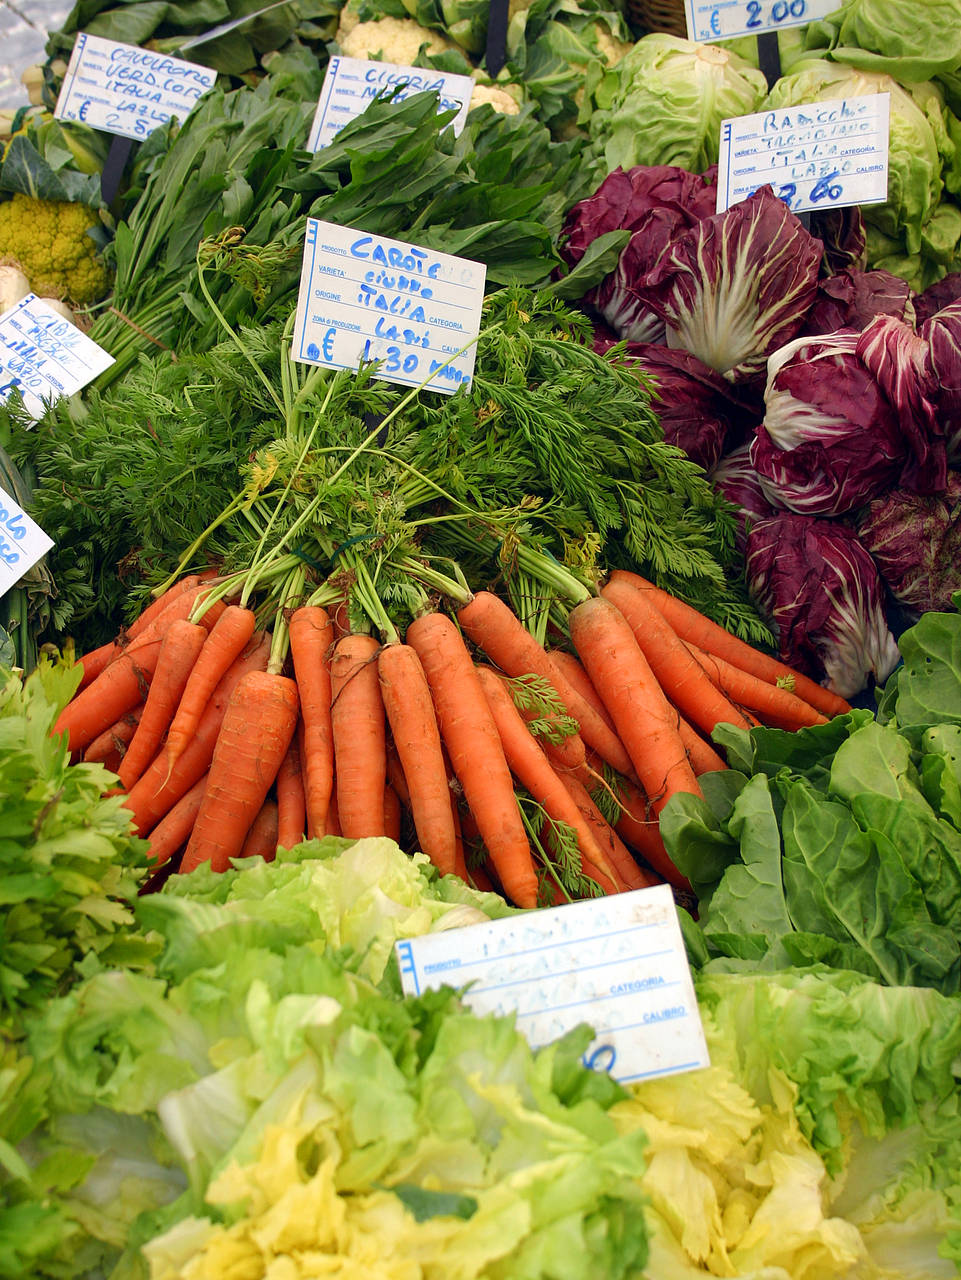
[[70, 867], [910, 42]]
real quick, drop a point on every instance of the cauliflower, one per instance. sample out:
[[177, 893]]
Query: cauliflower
[[397, 40], [48, 240], [500, 99], [609, 47]]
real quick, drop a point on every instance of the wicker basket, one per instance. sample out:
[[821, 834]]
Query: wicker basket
[[658, 15]]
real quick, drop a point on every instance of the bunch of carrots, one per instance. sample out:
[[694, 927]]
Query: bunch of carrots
[[231, 741]]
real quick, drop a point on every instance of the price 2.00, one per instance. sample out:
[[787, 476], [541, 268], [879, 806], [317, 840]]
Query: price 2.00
[[781, 11]]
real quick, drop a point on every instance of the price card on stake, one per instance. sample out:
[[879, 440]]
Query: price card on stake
[[351, 85], [44, 356], [126, 90], [819, 155], [22, 542], [366, 297], [709, 20], [616, 963]]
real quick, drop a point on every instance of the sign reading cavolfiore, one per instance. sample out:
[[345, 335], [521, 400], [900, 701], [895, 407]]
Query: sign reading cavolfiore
[[721, 19], [815, 156], [22, 542], [616, 963], [351, 84], [44, 356], [126, 90], [365, 297]]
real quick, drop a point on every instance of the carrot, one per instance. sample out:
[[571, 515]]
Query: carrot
[[693, 627], [615, 851], [477, 757], [159, 788], [115, 692], [95, 662], [160, 605], [568, 752], [703, 757], [531, 767], [493, 626], [360, 736], [311, 639], [226, 641], [180, 606], [774, 706], [113, 740], [179, 650], [259, 723], [333, 819], [173, 830], [643, 833], [395, 774], [291, 800], [261, 841], [647, 725], [392, 814], [682, 679], [460, 863], [413, 723], [577, 677]]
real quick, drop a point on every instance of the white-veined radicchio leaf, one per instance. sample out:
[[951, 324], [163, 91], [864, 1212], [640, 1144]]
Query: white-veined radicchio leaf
[[735, 287], [943, 335], [736, 480], [822, 591], [916, 543]]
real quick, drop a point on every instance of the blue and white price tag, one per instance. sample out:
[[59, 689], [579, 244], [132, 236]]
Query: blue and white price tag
[[723, 19], [126, 90], [365, 297], [44, 356], [617, 963], [351, 85], [22, 542], [820, 155]]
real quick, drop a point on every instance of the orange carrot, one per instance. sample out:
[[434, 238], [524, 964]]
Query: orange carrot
[[682, 679], [173, 830], [114, 740], [159, 788], [396, 776], [470, 735], [261, 839], [392, 814], [615, 851], [493, 626], [413, 723], [333, 819], [160, 605], [95, 662], [257, 729], [291, 799], [360, 736], [567, 752], [775, 707], [180, 605], [531, 767], [179, 650], [460, 863], [643, 833], [311, 640], [116, 691], [577, 677], [645, 722], [693, 627], [226, 642], [703, 757]]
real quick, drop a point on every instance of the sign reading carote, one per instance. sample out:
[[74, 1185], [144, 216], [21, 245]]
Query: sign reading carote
[[22, 542], [126, 90], [365, 297]]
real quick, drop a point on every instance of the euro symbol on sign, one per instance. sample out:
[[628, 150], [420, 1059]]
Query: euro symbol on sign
[[715, 23], [329, 344], [83, 111]]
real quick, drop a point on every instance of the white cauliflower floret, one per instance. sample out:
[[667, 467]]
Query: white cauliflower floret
[[609, 47], [499, 99], [396, 40]]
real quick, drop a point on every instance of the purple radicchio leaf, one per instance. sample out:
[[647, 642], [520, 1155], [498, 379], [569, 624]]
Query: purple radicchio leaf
[[696, 406], [736, 480], [943, 336], [625, 307], [916, 543], [821, 590], [736, 286], [626, 195], [830, 441], [899, 360], [936, 296], [843, 237], [850, 299]]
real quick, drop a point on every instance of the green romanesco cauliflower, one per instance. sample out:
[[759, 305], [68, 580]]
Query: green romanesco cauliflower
[[48, 240]]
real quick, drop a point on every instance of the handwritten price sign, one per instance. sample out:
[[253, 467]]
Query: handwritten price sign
[[22, 542], [813, 156], [723, 19]]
